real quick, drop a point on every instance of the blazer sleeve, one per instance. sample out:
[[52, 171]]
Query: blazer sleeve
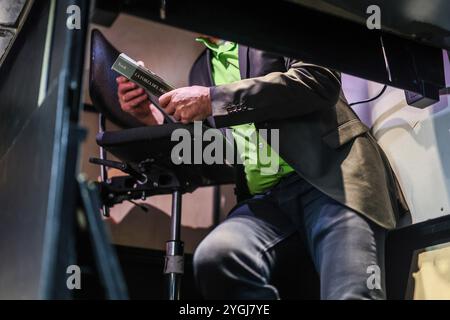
[[302, 89]]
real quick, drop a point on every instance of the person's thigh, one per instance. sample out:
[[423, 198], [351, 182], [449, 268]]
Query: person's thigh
[[237, 258], [347, 250]]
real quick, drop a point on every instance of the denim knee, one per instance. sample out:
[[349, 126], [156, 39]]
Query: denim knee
[[212, 257]]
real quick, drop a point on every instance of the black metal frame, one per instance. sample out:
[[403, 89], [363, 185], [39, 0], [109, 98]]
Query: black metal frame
[[103, 168], [109, 271], [297, 31], [69, 193], [148, 179], [60, 233], [174, 264]]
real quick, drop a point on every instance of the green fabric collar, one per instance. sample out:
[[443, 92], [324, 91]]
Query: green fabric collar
[[226, 46]]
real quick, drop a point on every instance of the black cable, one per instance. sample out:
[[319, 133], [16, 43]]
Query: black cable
[[372, 99]]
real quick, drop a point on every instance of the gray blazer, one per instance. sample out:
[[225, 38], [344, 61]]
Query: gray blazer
[[320, 135]]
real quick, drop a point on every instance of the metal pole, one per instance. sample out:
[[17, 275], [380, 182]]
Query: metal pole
[[103, 169], [216, 205], [174, 265], [175, 221]]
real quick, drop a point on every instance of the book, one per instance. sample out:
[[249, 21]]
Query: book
[[144, 78]]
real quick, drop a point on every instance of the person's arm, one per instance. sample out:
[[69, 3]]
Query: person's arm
[[303, 89]]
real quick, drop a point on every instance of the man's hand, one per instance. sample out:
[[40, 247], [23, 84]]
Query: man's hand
[[187, 104], [134, 100]]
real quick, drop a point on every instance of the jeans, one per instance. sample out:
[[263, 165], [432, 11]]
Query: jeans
[[238, 258]]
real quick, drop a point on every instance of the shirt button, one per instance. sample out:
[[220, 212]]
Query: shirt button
[[261, 145]]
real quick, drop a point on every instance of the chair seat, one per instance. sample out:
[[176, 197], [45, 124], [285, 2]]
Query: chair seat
[[153, 145]]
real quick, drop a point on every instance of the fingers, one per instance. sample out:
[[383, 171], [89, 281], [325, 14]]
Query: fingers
[[171, 107], [179, 114], [185, 114], [121, 79], [185, 104], [134, 104], [165, 99], [123, 88], [130, 95], [159, 117]]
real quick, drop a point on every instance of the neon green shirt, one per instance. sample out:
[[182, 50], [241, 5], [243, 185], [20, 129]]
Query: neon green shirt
[[260, 175]]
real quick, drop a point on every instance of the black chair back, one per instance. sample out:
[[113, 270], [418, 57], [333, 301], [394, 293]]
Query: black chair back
[[102, 82]]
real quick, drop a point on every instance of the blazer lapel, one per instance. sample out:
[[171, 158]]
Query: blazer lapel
[[243, 52], [208, 66]]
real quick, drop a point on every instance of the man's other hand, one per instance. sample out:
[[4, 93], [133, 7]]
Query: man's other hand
[[187, 104], [134, 100]]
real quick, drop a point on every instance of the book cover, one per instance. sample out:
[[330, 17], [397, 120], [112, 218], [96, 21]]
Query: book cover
[[144, 78]]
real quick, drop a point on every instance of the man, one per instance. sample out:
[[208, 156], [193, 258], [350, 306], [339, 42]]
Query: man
[[334, 189]]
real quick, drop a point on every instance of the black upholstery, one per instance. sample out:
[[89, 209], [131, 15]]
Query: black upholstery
[[140, 144], [157, 133], [102, 82]]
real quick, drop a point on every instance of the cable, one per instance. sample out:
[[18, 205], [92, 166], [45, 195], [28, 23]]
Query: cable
[[372, 99]]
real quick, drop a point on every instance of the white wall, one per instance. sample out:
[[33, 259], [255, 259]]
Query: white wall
[[416, 141]]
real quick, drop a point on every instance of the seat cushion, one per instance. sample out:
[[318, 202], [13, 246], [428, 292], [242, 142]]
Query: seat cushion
[[154, 145]]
